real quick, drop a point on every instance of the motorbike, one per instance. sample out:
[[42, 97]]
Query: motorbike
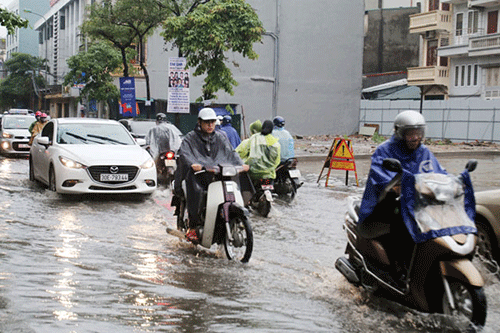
[[165, 166], [262, 199], [225, 217], [287, 179], [439, 276]]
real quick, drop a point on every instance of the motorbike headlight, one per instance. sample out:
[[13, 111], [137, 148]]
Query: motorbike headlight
[[148, 164], [69, 163], [7, 135]]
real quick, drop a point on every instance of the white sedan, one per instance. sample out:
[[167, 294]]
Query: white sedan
[[85, 155]]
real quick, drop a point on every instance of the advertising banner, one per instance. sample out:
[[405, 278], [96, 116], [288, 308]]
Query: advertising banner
[[127, 93], [178, 86]]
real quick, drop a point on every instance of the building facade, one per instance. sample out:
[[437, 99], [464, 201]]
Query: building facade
[[473, 49], [309, 68], [25, 40]]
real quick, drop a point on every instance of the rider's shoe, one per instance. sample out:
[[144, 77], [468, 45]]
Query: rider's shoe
[[192, 236]]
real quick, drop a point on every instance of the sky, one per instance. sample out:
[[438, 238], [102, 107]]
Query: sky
[[387, 3]]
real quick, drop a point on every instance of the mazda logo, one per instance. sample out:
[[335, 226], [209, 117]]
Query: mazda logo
[[113, 169]]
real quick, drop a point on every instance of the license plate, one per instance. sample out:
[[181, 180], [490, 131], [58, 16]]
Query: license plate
[[294, 173], [267, 187], [107, 177], [23, 146], [169, 163]]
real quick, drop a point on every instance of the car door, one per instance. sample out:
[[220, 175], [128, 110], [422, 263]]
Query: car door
[[42, 154]]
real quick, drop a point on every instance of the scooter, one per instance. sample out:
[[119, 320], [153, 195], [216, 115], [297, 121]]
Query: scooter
[[439, 277], [165, 167], [287, 179], [262, 199], [225, 217]]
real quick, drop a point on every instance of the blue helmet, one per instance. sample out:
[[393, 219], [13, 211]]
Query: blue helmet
[[226, 120], [279, 121]]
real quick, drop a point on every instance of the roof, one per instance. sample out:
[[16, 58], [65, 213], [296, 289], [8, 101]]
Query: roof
[[388, 85]]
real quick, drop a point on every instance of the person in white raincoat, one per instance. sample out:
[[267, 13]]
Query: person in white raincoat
[[163, 137]]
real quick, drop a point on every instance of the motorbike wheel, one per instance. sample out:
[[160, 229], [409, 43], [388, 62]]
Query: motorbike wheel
[[240, 248], [470, 302], [263, 206]]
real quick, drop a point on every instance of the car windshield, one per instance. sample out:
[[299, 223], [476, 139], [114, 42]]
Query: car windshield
[[22, 122], [93, 133]]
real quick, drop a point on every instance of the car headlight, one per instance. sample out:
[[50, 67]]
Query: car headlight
[[7, 135], [69, 163], [148, 164]]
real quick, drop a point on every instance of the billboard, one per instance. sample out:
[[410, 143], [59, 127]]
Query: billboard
[[178, 86]]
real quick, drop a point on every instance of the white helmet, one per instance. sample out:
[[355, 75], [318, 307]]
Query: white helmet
[[207, 114], [408, 120]]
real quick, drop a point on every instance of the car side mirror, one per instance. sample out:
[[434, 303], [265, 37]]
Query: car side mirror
[[140, 142], [392, 164], [43, 140], [471, 165]]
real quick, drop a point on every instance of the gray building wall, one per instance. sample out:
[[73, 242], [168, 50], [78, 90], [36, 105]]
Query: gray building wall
[[388, 45], [309, 67], [26, 40]]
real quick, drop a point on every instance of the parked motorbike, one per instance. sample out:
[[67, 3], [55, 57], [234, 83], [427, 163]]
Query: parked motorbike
[[287, 179], [439, 277], [262, 199], [165, 167], [225, 217]]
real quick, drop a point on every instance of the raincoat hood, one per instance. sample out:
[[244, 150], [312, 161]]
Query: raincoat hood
[[262, 154]]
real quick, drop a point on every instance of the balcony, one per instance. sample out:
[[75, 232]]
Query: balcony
[[484, 45], [428, 21], [426, 76], [483, 3]]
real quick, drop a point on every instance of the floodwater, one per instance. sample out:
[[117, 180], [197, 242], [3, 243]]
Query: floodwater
[[106, 264]]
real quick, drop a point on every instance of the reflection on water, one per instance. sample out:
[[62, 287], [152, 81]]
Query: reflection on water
[[105, 264]]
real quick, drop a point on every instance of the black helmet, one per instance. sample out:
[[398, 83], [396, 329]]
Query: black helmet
[[279, 121], [267, 127], [226, 120], [161, 117]]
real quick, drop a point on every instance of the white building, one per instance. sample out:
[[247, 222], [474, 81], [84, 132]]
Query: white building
[[473, 49], [309, 68], [25, 40]]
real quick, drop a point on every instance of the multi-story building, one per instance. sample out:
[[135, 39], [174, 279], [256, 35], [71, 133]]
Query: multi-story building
[[309, 68], [473, 47], [434, 25], [25, 40]]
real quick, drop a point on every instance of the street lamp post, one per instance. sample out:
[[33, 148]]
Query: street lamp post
[[46, 42]]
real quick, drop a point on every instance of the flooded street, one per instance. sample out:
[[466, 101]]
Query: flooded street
[[106, 264]]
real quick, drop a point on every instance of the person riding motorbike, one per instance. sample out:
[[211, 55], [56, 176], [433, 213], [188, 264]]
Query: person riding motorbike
[[284, 137], [163, 137], [374, 216], [231, 133], [201, 147], [37, 128], [261, 152]]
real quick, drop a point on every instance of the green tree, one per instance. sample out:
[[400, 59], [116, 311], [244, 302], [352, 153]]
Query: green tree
[[23, 81], [94, 69], [210, 30], [11, 21], [105, 23]]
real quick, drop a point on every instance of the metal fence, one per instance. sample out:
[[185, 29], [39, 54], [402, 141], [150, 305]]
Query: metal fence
[[455, 120]]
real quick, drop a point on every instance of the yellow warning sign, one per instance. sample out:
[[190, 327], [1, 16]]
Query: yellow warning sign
[[343, 165], [343, 151]]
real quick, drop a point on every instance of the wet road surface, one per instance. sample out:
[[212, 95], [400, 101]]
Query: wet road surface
[[105, 264]]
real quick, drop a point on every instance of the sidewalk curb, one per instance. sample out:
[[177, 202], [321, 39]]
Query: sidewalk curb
[[450, 154]]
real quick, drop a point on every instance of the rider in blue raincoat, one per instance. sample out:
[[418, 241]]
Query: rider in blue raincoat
[[231, 133]]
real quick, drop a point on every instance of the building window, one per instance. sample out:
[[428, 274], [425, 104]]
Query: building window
[[492, 77], [457, 73], [62, 22], [462, 77], [459, 22], [40, 37], [469, 75], [472, 21], [476, 73]]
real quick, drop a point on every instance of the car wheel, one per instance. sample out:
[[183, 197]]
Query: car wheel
[[487, 247], [52, 179]]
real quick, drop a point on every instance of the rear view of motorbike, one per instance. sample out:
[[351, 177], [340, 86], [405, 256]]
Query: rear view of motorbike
[[263, 197], [165, 167], [438, 276], [287, 179]]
